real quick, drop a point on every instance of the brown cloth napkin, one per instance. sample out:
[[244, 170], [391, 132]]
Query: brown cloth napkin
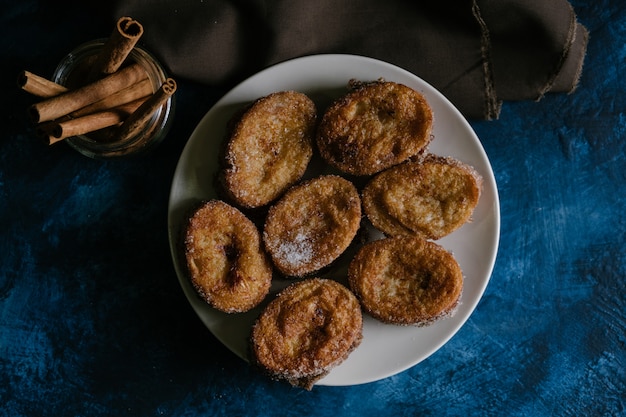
[[476, 52]]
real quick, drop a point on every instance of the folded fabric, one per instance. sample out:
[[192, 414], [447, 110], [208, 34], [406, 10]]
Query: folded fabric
[[476, 52]]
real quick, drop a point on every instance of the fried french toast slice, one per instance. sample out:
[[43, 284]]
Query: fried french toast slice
[[225, 260], [312, 225], [432, 197], [307, 330], [373, 127], [268, 148], [406, 280]]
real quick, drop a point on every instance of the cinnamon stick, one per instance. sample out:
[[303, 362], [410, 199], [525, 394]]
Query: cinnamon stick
[[140, 90], [123, 39], [58, 131], [66, 103], [130, 94], [39, 86], [136, 121]]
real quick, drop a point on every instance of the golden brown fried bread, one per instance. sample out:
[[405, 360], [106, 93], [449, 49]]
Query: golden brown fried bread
[[312, 225], [406, 280], [307, 330], [374, 127], [269, 148], [226, 263], [431, 198]]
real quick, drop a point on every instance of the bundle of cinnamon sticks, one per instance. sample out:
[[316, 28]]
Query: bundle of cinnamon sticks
[[115, 94]]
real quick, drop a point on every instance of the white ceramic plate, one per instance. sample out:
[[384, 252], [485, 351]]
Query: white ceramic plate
[[386, 349]]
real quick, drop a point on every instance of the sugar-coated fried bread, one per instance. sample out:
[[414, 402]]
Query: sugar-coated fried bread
[[269, 148], [307, 330], [374, 127], [431, 198], [312, 225], [224, 257], [406, 280]]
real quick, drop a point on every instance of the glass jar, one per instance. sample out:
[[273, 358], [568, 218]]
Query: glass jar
[[72, 67]]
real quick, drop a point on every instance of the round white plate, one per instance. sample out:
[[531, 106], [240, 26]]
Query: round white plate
[[385, 349]]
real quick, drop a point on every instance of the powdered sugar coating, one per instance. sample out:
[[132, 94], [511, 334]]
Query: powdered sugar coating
[[295, 252], [312, 225]]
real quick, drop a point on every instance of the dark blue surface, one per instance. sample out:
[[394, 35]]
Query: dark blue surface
[[93, 321]]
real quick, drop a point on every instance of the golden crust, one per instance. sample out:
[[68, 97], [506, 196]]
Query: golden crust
[[307, 330], [374, 127], [430, 198], [312, 225], [269, 148], [224, 258], [406, 280]]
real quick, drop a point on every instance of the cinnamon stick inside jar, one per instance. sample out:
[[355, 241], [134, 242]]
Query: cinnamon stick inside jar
[[39, 86], [93, 121], [110, 111], [105, 143], [130, 89], [117, 48], [142, 89], [138, 119], [73, 100]]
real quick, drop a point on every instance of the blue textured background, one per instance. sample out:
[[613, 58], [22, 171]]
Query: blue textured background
[[93, 322]]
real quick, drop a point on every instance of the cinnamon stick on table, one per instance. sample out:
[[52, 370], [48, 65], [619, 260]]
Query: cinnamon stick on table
[[116, 48], [136, 121], [73, 100]]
